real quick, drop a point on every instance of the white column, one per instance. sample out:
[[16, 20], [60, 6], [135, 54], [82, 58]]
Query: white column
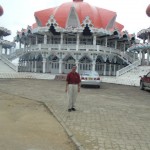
[[24, 44], [27, 65], [36, 40], [30, 41], [9, 50], [35, 65], [104, 69], [32, 70], [23, 66], [115, 44], [94, 39], [106, 40], [61, 39], [77, 44], [0, 49], [50, 39], [143, 58], [78, 37], [30, 66], [6, 51], [49, 66], [60, 66], [148, 38], [140, 56], [44, 65], [45, 39], [110, 69], [124, 47], [77, 64], [134, 56], [93, 65], [148, 51], [114, 69], [19, 44]]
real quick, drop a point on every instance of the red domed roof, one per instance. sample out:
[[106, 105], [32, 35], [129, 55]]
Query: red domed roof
[[148, 11], [101, 18], [1, 10]]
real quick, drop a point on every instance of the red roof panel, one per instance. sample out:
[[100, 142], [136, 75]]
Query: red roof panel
[[100, 17], [118, 26], [43, 15]]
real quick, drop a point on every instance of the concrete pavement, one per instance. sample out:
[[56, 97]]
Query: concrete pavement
[[115, 117]]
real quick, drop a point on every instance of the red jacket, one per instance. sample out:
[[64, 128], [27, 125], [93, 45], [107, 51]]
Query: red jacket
[[73, 78]]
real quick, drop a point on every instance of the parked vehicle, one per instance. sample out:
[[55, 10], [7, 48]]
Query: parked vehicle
[[145, 82], [90, 78]]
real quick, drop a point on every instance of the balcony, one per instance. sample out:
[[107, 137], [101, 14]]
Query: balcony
[[97, 49]]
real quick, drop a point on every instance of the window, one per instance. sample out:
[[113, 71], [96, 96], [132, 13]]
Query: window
[[148, 75]]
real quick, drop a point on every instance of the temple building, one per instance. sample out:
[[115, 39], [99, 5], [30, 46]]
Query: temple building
[[5, 45], [75, 33], [143, 48]]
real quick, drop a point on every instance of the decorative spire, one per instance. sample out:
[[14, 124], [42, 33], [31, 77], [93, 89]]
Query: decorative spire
[[77, 0]]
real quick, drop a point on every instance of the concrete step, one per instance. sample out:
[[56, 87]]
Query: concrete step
[[27, 75], [130, 78], [123, 80]]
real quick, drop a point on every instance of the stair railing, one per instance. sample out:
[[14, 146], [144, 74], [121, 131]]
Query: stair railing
[[9, 63], [128, 68]]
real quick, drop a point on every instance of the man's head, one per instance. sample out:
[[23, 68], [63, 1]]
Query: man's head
[[74, 68]]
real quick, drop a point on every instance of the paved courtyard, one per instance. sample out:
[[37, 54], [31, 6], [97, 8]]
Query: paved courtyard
[[114, 117]]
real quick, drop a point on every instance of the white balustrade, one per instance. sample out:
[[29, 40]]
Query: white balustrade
[[70, 47], [9, 63], [128, 68]]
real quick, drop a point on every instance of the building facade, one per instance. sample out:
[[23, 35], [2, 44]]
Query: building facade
[[75, 33], [143, 49], [5, 45]]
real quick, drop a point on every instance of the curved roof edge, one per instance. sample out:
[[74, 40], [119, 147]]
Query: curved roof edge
[[101, 18]]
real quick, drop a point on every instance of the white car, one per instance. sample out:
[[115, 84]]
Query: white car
[[90, 78]]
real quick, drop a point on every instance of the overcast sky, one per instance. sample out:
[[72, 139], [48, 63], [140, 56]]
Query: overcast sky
[[19, 14]]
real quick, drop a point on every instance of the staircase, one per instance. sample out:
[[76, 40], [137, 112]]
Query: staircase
[[132, 77], [17, 53], [5, 68], [128, 68], [8, 63], [8, 73]]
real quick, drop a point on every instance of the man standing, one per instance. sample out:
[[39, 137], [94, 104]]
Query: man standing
[[72, 87]]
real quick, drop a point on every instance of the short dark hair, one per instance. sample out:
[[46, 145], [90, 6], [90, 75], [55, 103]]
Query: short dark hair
[[74, 66]]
